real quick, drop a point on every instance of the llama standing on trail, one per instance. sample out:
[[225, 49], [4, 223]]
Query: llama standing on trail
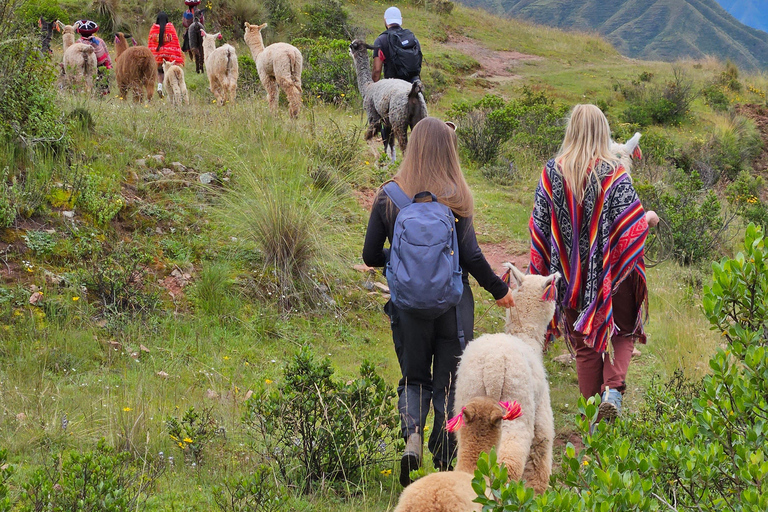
[[279, 64], [79, 60], [221, 67], [398, 103], [135, 69], [174, 84], [478, 429], [510, 366]]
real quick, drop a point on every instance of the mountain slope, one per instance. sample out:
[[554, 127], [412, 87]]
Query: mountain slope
[[750, 12], [649, 29]]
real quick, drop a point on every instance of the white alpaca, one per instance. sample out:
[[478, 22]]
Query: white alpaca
[[221, 67], [79, 60], [627, 151], [509, 366], [174, 84], [452, 491], [279, 64]]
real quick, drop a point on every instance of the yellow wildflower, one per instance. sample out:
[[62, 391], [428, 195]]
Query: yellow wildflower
[[181, 445], [127, 409], [187, 440], [75, 299], [226, 358], [174, 437], [267, 381], [585, 463], [386, 472]]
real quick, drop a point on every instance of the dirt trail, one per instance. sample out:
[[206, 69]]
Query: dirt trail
[[494, 65], [759, 114], [498, 253]]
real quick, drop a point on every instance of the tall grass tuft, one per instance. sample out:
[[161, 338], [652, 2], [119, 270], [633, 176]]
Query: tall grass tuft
[[213, 292], [285, 219]]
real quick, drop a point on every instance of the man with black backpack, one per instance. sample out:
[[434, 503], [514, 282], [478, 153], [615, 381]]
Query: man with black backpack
[[398, 53]]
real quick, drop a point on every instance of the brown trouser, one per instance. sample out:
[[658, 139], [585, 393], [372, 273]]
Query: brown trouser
[[595, 371]]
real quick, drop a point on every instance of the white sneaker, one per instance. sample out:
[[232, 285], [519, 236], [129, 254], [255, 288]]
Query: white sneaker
[[160, 90]]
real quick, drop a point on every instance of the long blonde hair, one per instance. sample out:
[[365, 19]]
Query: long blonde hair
[[587, 142], [432, 164]]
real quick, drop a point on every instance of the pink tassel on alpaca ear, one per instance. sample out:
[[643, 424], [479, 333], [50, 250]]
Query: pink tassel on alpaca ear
[[456, 422], [513, 410], [550, 292]]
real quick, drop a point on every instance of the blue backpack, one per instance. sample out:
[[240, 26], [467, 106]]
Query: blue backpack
[[423, 271]]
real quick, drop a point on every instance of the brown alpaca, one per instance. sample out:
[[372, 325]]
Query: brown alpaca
[[452, 491], [135, 69]]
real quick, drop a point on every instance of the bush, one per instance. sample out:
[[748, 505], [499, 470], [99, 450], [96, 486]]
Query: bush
[[531, 122], [328, 19], [248, 80], [279, 12], [96, 194], [730, 76], [691, 446], [40, 243], [501, 173], [315, 428], [6, 471], [668, 104], [99, 481], [256, 492], [192, 433], [328, 74], [715, 97], [744, 195]]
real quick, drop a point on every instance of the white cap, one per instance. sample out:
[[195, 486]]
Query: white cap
[[392, 16]]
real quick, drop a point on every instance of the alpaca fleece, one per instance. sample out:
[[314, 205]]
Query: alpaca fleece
[[279, 64], [174, 84], [452, 491], [79, 61], [398, 103], [221, 67], [509, 366], [135, 70]]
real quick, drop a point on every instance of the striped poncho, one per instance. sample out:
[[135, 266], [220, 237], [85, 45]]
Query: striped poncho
[[595, 245], [170, 50]]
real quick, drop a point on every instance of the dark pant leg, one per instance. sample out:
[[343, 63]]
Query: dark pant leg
[[413, 338], [626, 308], [442, 444], [615, 373]]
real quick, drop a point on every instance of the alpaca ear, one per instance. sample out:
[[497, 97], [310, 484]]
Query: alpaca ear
[[513, 274], [247, 26], [469, 413], [263, 26], [451, 125]]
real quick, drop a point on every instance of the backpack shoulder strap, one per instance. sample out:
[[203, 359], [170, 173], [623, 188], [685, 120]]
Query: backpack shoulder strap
[[396, 194]]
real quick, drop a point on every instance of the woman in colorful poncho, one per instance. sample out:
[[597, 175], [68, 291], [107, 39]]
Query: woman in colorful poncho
[[164, 44], [588, 224]]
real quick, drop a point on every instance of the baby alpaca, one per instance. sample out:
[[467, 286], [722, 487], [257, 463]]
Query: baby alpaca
[[79, 60], [627, 151], [479, 430], [279, 64], [221, 66], [509, 366], [173, 83], [135, 69], [195, 34]]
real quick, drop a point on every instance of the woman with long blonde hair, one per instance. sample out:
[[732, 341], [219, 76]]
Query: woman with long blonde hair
[[428, 348], [588, 224]]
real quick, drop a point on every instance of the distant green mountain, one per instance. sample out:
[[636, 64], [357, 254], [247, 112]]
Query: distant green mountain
[[649, 29], [753, 13]]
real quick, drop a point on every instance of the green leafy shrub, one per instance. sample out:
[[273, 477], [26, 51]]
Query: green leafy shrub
[[315, 428], [6, 471], [191, 433], [501, 172], [328, 19], [744, 195], [694, 216], [533, 122], [328, 74], [40, 243], [730, 76], [667, 104], [248, 79], [7, 210], [279, 12], [715, 97], [257, 492], [98, 481], [97, 195]]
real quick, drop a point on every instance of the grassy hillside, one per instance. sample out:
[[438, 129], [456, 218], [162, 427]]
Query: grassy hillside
[[657, 30], [749, 12], [138, 278]]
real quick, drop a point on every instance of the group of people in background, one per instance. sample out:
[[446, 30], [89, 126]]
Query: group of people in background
[[163, 39]]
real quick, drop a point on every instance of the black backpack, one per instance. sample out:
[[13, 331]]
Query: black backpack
[[405, 53]]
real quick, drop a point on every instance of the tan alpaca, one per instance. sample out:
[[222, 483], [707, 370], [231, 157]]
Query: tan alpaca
[[279, 64], [221, 67], [452, 491], [135, 69], [79, 60], [174, 84], [510, 366]]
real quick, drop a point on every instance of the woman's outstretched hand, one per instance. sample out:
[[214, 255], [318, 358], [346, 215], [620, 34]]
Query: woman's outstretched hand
[[507, 301]]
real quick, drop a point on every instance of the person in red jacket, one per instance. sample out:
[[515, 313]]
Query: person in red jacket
[[164, 44]]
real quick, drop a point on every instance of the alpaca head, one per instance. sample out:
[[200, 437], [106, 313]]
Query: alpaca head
[[628, 151], [167, 65], [253, 38], [478, 427], [359, 49], [120, 44], [535, 301]]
